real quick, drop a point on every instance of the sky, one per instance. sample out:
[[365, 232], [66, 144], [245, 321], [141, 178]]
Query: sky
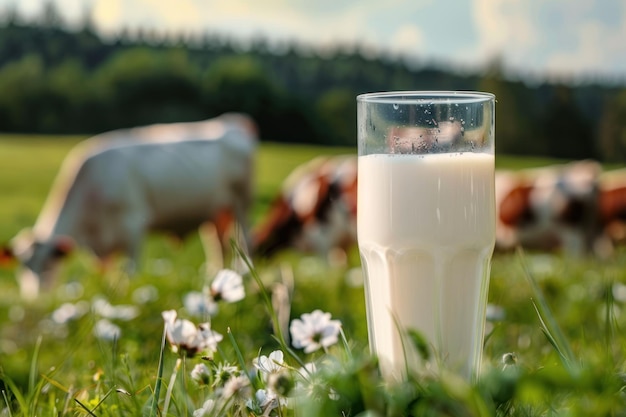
[[538, 38]]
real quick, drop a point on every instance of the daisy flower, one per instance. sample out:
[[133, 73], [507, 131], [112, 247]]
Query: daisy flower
[[236, 386], [227, 286], [314, 331], [272, 364], [223, 373], [207, 409], [108, 311], [106, 330], [267, 400], [201, 374], [198, 304], [183, 335]]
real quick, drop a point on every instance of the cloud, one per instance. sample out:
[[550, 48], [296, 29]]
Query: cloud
[[406, 38], [597, 49], [559, 36], [504, 26]]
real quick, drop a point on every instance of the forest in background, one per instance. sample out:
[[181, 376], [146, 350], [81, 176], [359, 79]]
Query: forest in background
[[70, 80]]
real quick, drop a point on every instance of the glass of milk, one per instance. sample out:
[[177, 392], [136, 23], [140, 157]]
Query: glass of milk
[[426, 226]]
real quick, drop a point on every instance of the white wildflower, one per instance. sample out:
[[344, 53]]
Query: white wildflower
[[120, 312], [314, 331], [106, 330], [223, 373], [266, 400], [145, 294], [207, 409], [69, 311], [619, 292], [236, 386], [228, 286], [198, 304], [272, 364], [186, 336], [495, 313], [201, 374]]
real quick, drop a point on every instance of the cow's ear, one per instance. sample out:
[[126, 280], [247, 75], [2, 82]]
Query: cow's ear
[[63, 245]]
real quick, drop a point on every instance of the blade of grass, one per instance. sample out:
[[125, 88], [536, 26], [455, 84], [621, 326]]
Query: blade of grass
[[32, 376], [170, 386], [6, 401], [291, 352], [159, 381], [84, 407], [611, 326], [13, 388], [544, 329], [240, 359], [103, 398], [549, 324], [266, 297]]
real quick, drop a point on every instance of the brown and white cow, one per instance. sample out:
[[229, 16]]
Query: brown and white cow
[[315, 211], [550, 207], [115, 188]]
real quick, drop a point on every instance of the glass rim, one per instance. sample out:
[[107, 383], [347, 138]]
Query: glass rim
[[425, 97]]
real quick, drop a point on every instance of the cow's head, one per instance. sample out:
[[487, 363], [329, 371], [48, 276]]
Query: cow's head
[[38, 259]]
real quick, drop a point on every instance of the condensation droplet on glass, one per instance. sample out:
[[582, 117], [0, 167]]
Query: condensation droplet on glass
[[396, 106], [462, 121], [452, 118]]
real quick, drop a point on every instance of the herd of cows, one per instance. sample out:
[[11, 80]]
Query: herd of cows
[[116, 188]]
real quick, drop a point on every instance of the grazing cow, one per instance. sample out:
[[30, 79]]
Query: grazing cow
[[116, 187], [551, 207], [315, 211]]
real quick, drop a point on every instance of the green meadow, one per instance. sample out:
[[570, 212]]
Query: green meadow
[[555, 343]]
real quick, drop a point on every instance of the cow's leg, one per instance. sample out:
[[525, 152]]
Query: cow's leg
[[224, 222]]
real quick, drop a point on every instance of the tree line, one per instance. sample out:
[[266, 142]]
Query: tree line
[[57, 79]]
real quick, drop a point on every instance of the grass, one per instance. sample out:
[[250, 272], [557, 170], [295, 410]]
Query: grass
[[560, 330]]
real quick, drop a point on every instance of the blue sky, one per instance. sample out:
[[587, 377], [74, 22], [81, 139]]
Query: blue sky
[[561, 38]]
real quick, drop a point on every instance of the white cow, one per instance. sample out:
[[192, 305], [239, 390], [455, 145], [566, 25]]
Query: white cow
[[116, 187]]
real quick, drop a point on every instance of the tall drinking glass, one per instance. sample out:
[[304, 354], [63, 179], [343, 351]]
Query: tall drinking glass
[[426, 225]]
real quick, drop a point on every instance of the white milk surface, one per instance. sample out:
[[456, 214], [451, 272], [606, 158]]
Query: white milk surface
[[426, 232]]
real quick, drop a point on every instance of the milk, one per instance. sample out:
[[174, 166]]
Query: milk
[[426, 232]]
